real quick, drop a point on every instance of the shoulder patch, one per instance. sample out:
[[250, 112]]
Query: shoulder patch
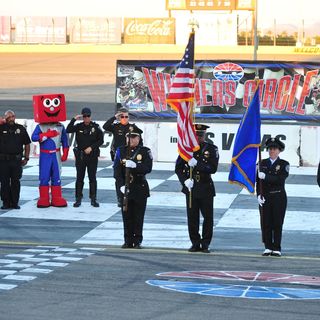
[[150, 154], [287, 168]]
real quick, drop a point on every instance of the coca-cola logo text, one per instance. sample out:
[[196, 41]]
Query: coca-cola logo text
[[157, 27]]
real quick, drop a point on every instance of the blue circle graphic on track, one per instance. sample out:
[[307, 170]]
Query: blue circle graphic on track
[[237, 291], [241, 290]]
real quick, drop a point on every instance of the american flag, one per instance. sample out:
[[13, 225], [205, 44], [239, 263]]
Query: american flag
[[180, 98]]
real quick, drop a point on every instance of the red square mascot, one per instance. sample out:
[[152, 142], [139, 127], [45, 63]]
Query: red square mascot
[[49, 109]]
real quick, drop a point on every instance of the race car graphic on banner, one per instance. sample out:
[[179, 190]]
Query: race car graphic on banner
[[223, 89]]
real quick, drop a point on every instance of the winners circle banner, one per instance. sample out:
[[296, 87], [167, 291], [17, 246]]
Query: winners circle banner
[[223, 89]]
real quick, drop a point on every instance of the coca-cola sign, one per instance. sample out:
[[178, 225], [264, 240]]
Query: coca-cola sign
[[149, 30]]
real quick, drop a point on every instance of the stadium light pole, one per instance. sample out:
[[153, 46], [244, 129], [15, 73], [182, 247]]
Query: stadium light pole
[[255, 31]]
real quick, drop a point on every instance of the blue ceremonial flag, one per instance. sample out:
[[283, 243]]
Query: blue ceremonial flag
[[247, 143]]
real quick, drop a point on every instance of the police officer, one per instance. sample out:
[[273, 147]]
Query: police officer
[[89, 137], [272, 197], [132, 163], [119, 126], [14, 153], [200, 188]]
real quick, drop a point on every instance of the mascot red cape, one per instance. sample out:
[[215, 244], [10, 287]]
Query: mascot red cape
[[49, 110]]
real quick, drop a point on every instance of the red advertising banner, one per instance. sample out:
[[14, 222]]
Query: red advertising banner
[[223, 89], [51, 30], [4, 29], [95, 30], [149, 30]]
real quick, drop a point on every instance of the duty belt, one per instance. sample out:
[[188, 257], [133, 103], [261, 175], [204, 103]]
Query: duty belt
[[275, 191], [49, 151], [204, 179], [137, 179], [4, 156]]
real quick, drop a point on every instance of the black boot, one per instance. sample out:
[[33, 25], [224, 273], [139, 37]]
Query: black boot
[[93, 194], [77, 203], [79, 188]]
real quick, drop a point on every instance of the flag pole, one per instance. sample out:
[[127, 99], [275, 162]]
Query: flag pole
[[256, 44], [257, 80], [192, 23]]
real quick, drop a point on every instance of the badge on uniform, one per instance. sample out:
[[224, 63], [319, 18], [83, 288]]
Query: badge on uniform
[[93, 130], [206, 154], [18, 131], [139, 157], [277, 167]]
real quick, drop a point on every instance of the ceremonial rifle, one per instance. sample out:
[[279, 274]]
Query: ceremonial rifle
[[127, 176]]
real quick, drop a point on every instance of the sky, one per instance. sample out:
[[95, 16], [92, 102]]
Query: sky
[[284, 11]]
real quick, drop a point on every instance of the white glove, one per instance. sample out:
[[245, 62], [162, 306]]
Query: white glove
[[261, 175], [122, 189], [192, 162], [189, 183], [261, 200], [131, 164]]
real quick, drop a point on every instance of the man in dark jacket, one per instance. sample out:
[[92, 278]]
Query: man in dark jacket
[[14, 153], [200, 188], [272, 196], [119, 126], [131, 164], [89, 137]]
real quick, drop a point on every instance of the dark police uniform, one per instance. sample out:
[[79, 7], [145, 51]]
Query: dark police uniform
[[138, 190], [202, 193], [86, 136], [12, 139], [272, 188], [119, 132]]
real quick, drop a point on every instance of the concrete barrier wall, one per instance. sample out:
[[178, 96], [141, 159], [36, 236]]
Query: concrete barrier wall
[[302, 142]]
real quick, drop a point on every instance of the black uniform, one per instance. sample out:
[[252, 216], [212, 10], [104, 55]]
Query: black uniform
[[202, 192], [274, 208], [119, 132], [13, 138], [86, 136], [138, 190]]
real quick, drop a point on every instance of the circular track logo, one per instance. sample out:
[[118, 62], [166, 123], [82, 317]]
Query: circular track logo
[[251, 291]]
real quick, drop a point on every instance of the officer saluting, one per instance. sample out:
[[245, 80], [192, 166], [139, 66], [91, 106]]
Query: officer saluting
[[14, 153], [131, 164], [119, 126], [272, 196], [201, 188], [89, 137]]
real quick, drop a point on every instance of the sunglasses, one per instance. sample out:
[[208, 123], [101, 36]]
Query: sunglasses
[[124, 117], [86, 116]]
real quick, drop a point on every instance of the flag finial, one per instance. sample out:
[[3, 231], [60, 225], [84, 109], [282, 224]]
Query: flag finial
[[193, 23]]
